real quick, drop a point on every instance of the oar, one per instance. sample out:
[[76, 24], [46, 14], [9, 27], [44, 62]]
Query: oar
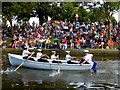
[[58, 65], [23, 62], [47, 56]]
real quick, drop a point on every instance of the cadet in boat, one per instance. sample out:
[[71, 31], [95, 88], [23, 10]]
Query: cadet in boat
[[40, 56], [69, 58], [26, 53], [54, 56], [87, 59]]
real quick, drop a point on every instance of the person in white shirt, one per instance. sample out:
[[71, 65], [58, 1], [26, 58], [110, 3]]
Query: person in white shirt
[[26, 53], [68, 57], [40, 55], [53, 56], [87, 58]]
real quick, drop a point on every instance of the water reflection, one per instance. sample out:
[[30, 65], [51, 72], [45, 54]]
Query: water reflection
[[106, 77]]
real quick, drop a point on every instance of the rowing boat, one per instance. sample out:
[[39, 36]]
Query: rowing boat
[[17, 60]]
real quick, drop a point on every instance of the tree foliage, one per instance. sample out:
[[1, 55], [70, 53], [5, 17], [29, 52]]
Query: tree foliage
[[68, 11], [83, 14], [105, 11], [27, 11], [43, 10], [22, 11], [9, 12], [55, 11]]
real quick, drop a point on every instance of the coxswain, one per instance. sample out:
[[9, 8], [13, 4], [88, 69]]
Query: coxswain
[[87, 59]]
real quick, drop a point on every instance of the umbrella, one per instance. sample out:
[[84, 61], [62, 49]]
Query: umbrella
[[56, 39]]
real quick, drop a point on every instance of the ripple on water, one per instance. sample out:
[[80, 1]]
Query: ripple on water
[[94, 85], [54, 73], [106, 77]]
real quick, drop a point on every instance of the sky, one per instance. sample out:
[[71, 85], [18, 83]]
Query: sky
[[116, 17]]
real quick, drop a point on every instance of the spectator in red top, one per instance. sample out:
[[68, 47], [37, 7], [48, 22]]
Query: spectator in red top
[[64, 43], [78, 43]]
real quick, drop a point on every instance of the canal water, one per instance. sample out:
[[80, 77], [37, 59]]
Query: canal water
[[105, 78]]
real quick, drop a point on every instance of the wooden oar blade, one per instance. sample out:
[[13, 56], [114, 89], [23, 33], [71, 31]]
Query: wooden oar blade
[[19, 66], [23, 62]]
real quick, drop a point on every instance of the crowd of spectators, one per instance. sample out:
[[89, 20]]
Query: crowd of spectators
[[62, 35]]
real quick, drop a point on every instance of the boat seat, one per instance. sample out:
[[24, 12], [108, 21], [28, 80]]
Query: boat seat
[[56, 61], [35, 59], [42, 60], [69, 62], [32, 59]]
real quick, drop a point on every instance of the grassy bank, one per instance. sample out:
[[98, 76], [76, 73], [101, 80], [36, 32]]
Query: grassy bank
[[74, 52]]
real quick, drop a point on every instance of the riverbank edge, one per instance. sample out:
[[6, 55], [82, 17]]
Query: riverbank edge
[[74, 52]]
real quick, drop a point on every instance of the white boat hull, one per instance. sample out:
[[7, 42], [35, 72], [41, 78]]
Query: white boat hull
[[17, 60]]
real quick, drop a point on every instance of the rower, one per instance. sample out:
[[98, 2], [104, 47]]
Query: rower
[[40, 56], [87, 59], [54, 56], [69, 58], [26, 53]]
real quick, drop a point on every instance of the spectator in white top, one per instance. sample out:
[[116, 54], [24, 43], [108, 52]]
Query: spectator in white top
[[53, 56], [87, 58]]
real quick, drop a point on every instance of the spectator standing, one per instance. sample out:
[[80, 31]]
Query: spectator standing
[[72, 44], [78, 43], [64, 43], [47, 43]]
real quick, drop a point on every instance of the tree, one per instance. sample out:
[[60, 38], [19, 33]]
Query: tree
[[27, 11], [68, 11], [105, 10], [83, 14], [109, 8], [63, 11], [9, 12], [43, 10], [55, 11], [16, 10]]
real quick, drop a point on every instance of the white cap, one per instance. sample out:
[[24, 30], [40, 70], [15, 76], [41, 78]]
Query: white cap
[[86, 51], [39, 50], [67, 51], [53, 51]]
